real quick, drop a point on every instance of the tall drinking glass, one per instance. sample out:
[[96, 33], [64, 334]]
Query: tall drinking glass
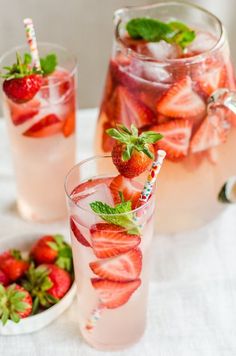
[[42, 137], [111, 262]]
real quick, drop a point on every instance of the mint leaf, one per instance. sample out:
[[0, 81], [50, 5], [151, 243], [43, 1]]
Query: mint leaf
[[183, 39], [48, 64], [150, 30], [153, 30], [122, 218]]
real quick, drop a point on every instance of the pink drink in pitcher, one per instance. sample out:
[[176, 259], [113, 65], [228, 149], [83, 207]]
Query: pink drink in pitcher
[[111, 252], [166, 86], [42, 137]]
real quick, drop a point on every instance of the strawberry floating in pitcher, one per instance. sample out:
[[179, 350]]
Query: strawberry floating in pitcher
[[132, 154]]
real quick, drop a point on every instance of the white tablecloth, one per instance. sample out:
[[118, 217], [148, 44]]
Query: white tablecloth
[[192, 304]]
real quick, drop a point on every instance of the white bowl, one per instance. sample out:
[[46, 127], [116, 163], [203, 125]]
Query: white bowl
[[35, 322]]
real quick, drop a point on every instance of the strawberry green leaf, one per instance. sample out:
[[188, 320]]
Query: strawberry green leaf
[[15, 317], [35, 306], [53, 245], [5, 316], [117, 135], [151, 136]]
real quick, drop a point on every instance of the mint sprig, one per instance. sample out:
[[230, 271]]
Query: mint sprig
[[153, 30], [21, 68], [119, 215], [48, 64], [24, 67]]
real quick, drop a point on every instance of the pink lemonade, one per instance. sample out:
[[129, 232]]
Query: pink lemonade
[[111, 261], [161, 87], [42, 138]]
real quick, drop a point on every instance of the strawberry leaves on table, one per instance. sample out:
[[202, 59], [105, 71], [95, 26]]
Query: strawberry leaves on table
[[153, 30], [120, 215]]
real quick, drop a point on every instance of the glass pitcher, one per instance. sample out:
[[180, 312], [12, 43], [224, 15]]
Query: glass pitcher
[[189, 98]]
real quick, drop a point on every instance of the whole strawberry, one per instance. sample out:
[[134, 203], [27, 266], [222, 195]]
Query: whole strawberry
[[4, 280], [47, 284], [52, 249], [22, 82], [132, 153], [15, 303], [13, 265]]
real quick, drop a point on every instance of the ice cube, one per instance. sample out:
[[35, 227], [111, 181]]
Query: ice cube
[[161, 51], [203, 42], [155, 73], [85, 215]]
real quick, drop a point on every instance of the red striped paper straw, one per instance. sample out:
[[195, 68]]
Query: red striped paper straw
[[94, 317], [152, 176], [31, 39]]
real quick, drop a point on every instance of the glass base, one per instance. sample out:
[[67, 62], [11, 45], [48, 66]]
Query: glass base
[[44, 216], [110, 347]]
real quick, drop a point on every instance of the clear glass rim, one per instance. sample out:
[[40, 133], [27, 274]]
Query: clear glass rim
[[49, 44], [93, 158], [142, 57]]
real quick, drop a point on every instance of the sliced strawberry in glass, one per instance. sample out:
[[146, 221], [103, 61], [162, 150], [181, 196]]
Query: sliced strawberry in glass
[[69, 124], [77, 233], [124, 267], [212, 132], [47, 126], [211, 77], [176, 138], [21, 113], [180, 101], [110, 240], [129, 110], [114, 294], [127, 187], [85, 188]]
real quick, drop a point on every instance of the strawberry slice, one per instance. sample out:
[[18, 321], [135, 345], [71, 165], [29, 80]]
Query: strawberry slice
[[120, 75], [69, 124], [125, 267], [180, 101], [77, 232], [129, 110], [211, 79], [176, 138], [127, 187], [47, 126], [114, 294], [110, 240], [212, 132], [21, 113], [88, 185]]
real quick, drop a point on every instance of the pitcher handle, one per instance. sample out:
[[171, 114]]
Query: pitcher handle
[[225, 98]]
